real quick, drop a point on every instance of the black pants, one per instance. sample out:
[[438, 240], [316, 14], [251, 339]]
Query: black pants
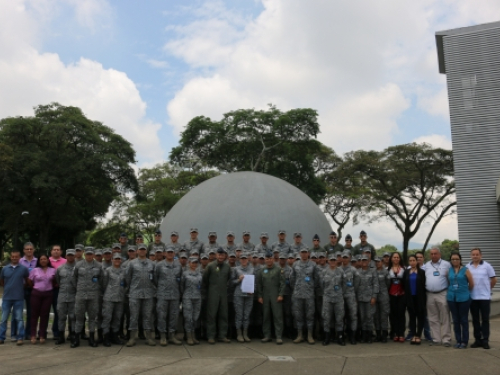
[[480, 311], [55, 323], [417, 317], [397, 315]]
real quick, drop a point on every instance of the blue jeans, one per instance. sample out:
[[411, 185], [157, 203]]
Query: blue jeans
[[17, 311], [460, 315]]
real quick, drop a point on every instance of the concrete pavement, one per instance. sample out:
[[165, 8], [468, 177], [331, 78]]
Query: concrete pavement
[[251, 358]]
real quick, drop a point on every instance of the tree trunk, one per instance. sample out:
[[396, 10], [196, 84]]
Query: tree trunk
[[406, 242], [44, 237]]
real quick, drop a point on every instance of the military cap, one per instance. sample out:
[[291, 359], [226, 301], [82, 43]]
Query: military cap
[[321, 254], [169, 249], [152, 252], [123, 234], [264, 235], [313, 255], [70, 252], [364, 257], [232, 255], [362, 233], [367, 251], [79, 246], [268, 254], [244, 256], [230, 233], [139, 235], [354, 259], [297, 234], [386, 255], [377, 259], [174, 233], [332, 257], [238, 248], [132, 248], [141, 246], [291, 256], [283, 256], [89, 250], [182, 254], [193, 230], [117, 256], [255, 255], [282, 231], [276, 250], [212, 251], [348, 237], [116, 245], [220, 250], [332, 233], [193, 260], [210, 234], [358, 257], [98, 252], [261, 256], [246, 233], [107, 251], [204, 256], [157, 231], [194, 252], [315, 237], [158, 249], [338, 254], [346, 254], [304, 249], [297, 257]]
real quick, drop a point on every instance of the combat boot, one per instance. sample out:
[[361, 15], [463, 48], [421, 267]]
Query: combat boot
[[326, 338], [353, 338], [151, 338], [60, 339], [190, 341], [193, 336], [133, 337], [100, 337], [378, 336], [279, 341], [76, 341], [163, 339], [310, 339], [362, 337], [92, 342], [141, 334], [239, 336], [106, 341], [115, 339], [340, 339], [299, 338], [172, 339], [245, 336], [368, 337], [83, 336], [384, 336]]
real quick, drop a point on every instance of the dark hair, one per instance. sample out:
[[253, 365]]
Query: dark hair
[[414, 256], [420, 252], [15, 251], [38, 265], [478, 249], [457, 254], [401, 262], [55, 245]]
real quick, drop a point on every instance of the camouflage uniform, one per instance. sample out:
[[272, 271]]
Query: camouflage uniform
[[139, 279], [359, 248], [351, 277], [304, 280], [243, 302], [287, 298], [66, 299], [261, 248], [296, 248], [88, 278], [246, 247], [191, 297], [176, 247], [194, 245], [332, 249], [333, 298], [210, 246], [114, 294], [381, 318], [256, 315], [368, 289], [168, 293], [153, 245], [318, 299], [284, 247]]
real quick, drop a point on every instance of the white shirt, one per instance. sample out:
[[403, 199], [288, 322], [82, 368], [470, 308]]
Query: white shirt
[[481, 276], [436, 275]]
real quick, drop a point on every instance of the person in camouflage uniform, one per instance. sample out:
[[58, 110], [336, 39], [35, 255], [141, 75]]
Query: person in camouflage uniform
[[316, 247], [318, 299], [263, 247], [88, 278], [123, 240], [230, 246], [243, 302], [348, 243], [297, 245], [194, 242], [333, 246], [256, 315], [106, 258], [112, 307], [287, 295], [367, 297], [66, 299], [304, 280], [157, 242], [350, 302], [381, 317], [212, 242], [246, 245], [215, 279], [202, 331], [168, 293], [271, 287], [125, 321], [363, 245], [281, 244], [191, 281], [333, 283], [140, 282]]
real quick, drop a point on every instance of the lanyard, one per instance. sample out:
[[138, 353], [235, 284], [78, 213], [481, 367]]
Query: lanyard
[[439, 264]]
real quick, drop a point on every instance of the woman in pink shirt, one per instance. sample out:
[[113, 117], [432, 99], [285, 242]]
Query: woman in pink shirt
[[42, 278]]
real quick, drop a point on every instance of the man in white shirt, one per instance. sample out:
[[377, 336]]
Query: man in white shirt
[[436, 284], [485, 279]]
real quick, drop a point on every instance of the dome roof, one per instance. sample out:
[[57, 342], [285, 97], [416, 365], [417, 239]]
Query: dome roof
[[250, 201]]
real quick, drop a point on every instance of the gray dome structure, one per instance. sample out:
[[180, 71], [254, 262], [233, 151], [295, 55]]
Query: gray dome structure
[[250, 201]]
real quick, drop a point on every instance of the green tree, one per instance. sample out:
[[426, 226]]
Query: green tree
[[386, 249], [65, 171], [447, 247], [409, 184], [282, 144]]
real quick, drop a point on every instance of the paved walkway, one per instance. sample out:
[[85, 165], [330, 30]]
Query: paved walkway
[[252, 358]]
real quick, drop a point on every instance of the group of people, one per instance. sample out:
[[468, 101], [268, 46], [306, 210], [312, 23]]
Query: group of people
[[332, 293]]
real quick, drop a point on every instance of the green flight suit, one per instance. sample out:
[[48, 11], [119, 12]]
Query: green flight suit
[[215, 280], [271, 283]]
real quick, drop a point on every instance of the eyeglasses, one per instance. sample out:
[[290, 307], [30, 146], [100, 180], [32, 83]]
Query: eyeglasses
[[348, 240], [455, 259]]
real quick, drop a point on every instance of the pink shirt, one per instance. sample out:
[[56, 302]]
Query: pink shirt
[[42, 280], [56, 263]]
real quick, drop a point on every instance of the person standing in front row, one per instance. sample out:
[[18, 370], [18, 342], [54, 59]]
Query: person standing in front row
[[367, 294], [243, 302], [436, 284], [414, 285], [191, 298], [458, 296], [271, 288], [66, 297], [484, 281], [29, 261], [397, 300]]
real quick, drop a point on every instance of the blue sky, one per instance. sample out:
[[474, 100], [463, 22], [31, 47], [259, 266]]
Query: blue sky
[[146, 68]]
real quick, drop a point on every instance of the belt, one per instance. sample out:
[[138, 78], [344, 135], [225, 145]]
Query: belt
[[437, 292]]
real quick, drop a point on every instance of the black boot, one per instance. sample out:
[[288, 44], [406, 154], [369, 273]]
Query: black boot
[[92, 342], [115, 339], [106, 341], [100, 337], [157, 334], [127, 336], [353, 338], [362, 337], [326, 338], [76, 340], [83, 335], [378, 336], [60, 339], [384, 336], [141, 334], [368, 335], [340, 339]]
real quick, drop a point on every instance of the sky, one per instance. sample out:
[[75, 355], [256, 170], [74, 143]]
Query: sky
[[145, 68]]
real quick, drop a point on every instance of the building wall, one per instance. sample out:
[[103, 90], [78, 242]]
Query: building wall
[[472, 62]]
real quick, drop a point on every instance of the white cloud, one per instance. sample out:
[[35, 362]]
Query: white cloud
[[29, 78], [435, 140]]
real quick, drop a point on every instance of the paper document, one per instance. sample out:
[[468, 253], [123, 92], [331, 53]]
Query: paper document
[[248, 284]]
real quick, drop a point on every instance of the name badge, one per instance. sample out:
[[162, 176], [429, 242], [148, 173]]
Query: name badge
[[266, 271], [151, 276], [455, 286], [217, 269], [30, 269], [396, 281], [349, 283], [436, 273], [94, 279], [336, 287], [307, 279], [178, 279], [122, 283], [287, 282], [199, 286]]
